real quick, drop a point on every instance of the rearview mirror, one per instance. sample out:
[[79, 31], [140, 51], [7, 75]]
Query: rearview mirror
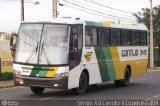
[[13, 41]]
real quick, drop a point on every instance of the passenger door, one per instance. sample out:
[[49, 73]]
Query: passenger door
[[75, 45]]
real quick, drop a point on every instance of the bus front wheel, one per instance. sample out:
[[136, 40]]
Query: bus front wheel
[[37, 90], [83, 84], [126, 81]]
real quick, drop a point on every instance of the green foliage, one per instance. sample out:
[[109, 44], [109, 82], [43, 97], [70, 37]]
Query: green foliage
[[144, 17], [6, 76]]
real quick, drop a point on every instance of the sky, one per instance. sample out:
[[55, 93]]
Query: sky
[[10, 17]]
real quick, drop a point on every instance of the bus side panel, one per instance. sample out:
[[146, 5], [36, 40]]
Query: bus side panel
[[105, 63], [89, 63], [139, 67], [108, 64], [118, 66], [133, 56]]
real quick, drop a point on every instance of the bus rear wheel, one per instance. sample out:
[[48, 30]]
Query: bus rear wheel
[[126, 81], [37, 90], [83, 84]]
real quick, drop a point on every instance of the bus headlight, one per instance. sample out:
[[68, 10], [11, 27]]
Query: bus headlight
[[61, 75]]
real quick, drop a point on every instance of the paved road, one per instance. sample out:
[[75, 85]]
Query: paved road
[[145, 87]]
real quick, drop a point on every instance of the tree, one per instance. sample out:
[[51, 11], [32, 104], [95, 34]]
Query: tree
[[144, 17]]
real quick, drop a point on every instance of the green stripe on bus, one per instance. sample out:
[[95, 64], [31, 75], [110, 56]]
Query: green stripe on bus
[[110, 66], [35, 71], [103, 71], [102, 64], [43, 71]]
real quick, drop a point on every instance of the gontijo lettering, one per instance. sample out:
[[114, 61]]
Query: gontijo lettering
[[126, 53], [131, 52]]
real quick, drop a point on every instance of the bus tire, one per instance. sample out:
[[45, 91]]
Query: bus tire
[[126, 81], [117, 83], [37, 90], [83, 84]]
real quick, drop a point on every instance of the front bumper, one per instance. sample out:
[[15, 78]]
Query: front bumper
[[59, 83]]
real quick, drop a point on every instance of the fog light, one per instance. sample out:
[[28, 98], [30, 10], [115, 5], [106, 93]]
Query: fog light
[[21, 82], [61, 75], [55, 85]]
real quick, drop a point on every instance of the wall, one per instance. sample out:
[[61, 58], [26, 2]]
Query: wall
[[6, 57], [4, 36]]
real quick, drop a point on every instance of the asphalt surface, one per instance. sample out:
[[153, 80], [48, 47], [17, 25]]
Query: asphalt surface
[[145, 87]]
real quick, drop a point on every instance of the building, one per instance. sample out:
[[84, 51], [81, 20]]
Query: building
[[4, 36]]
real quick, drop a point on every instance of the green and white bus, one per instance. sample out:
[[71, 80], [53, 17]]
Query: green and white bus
[[76, 54]]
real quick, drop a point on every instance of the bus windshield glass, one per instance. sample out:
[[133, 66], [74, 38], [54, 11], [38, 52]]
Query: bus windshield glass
[[46, 44]]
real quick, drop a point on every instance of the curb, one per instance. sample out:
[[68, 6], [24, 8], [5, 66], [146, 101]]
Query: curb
[[154, 69], [6, 86]]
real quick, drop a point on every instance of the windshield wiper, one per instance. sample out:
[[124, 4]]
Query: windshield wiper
[[37, 47], [42, 47], [31, 54], [45, 54]]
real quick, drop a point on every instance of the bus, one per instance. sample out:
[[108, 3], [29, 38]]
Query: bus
[[76, 54]]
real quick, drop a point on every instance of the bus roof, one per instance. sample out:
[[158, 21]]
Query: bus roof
[[96, 24], [113, 25]]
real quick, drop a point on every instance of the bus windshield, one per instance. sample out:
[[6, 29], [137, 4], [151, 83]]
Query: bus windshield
[[46, 44]]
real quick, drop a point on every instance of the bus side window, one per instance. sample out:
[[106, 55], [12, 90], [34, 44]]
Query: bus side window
[[135, 38], [103, 37], [125, 38], [115, 37], [73, 45], [88, 37], [91, 36], [143, 38]]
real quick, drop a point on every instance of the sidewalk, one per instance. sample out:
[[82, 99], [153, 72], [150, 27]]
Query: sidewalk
[[6, 84], [154, 69]]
